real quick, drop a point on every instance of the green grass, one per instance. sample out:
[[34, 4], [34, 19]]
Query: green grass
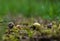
[[30, 8]]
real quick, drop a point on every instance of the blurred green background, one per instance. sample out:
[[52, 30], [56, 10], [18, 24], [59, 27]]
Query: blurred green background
[[48, 9], [43, 8]]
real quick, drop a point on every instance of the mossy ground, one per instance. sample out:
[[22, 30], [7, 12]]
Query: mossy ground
[[25, 33]]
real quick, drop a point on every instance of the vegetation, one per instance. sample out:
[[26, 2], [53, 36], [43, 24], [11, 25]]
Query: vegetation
[[32, 31], [29, 11], [43, 8]]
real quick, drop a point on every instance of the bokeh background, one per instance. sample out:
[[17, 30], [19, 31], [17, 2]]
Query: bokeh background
[[43, 8], [47, 9]]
